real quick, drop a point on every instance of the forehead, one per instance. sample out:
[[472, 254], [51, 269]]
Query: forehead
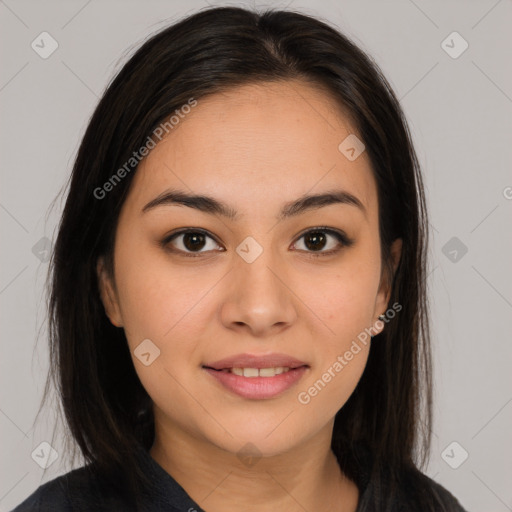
[[257, 144]]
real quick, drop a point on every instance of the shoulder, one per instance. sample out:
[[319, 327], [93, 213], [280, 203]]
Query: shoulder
[[405, 490], [419, 492], [74, 491]]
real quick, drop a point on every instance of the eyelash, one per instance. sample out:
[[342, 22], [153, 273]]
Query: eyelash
[[339, 235]]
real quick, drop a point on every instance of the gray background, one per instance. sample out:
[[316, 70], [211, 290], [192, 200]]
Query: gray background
[[459, 111]]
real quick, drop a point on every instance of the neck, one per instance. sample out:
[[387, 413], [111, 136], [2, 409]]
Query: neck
[[309, 478]]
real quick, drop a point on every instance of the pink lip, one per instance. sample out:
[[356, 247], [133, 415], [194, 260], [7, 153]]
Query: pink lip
[[258, 388], [255, 361]]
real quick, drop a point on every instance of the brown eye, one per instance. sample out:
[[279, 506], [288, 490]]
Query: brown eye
[[190, 242], [315, 240], [318, 239], [194, 241]]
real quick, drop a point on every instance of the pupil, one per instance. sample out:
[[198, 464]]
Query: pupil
[[197, 243], [316, 237]]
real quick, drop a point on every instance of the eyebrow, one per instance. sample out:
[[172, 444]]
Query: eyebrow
[[213, 206]]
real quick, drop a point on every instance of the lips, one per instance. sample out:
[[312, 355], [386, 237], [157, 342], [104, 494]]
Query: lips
[[257, 388], [274, 360], [257, 377]]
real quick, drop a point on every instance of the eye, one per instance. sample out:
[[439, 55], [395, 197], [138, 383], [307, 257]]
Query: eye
[[315, 240], [190, 241]]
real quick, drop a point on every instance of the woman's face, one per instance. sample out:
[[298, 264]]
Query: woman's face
[[272, 279]]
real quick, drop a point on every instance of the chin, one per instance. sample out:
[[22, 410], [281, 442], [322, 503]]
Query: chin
[[258, 441]]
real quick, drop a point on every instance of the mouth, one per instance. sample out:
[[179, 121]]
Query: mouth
[[257, 362], [257, 372], [257, 377]]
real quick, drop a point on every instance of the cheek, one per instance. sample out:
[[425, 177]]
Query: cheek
[[345, 302], [166, 305], [147, 303], [345, 298], [152, 296], [166, 310], [334, 378]]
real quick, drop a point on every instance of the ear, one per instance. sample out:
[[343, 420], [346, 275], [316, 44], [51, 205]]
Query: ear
[[108, 294], [384, 293]]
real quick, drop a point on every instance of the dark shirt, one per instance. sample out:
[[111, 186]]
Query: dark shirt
[[77, 491]]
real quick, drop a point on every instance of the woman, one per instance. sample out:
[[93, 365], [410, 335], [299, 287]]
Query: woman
[[238, 301]]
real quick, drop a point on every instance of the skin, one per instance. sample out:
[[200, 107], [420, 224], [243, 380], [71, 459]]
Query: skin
[[256, 148]]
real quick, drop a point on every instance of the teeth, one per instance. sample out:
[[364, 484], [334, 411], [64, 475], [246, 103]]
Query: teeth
[[262, 372]]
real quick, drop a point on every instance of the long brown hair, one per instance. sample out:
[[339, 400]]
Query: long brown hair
[[105, 406]]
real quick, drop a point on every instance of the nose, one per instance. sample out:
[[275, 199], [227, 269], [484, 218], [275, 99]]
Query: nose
[[260, 300]]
